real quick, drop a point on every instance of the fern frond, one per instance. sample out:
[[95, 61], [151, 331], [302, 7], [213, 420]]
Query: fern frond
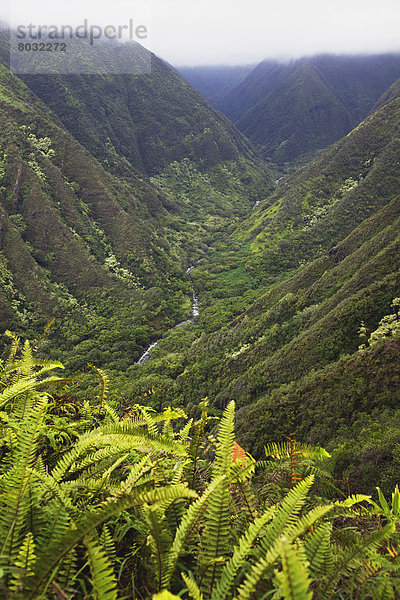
[[26, 363], [24, 563], [189, 523], [295, 529], [135, 475], [111, 412], [183, 434], [194, 447], [107, 543], [47, 365], [103, 385], [241, 551], [192, 587], [287, 512], [352, 500], [318, 550], [165, 595], [141, 440], [103, 578], [215, 541], [169, 414], [50, 486], [226, 436], [295, 580], [15, 341], [351, 558], [67, 570], [279, 450], [17, 389], [159, 540], [18, 480], [112, 440], [60, 547], [286, 523]]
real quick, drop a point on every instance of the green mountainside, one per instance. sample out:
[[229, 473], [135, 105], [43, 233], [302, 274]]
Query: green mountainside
[[151, 120], [228, 397], [301, 115], [259, 83], [390, 94], [325, 249], [112, 186], [291, 110], [76, 242], [103, 252]]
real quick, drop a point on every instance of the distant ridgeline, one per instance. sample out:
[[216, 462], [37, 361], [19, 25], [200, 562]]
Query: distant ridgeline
[[291, 110]]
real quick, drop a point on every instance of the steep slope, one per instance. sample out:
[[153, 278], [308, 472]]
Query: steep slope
[[151, 120], [158, 125], [289, 110], [302, 114], [215, 82], [391, 94], [93, 236], [325, 247], [260, 82], [76, 243]]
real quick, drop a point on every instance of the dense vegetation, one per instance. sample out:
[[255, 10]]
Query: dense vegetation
[[291, 110], [102, 501], [121, 196], [132, 236], [282, 304]]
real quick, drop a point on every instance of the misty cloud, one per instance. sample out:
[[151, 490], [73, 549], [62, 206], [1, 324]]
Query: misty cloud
[[188, 32]]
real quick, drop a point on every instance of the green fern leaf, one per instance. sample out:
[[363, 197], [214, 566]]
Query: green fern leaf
[[60, 547], [295, 580], [215, 542], [189, 523], [103, 579], [318, 550], [192, 587], [24, 563], [242, 550], [165, 595]]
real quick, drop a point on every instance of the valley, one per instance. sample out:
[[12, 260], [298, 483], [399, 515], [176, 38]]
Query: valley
[[191, 320], [200, 330]]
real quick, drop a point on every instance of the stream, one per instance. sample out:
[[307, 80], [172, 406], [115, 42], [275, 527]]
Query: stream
[[195, 313]]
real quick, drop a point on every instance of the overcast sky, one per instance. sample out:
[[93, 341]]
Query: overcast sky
[[198, 32]]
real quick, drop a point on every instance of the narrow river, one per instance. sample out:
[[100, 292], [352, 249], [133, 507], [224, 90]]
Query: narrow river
[[195, 313]]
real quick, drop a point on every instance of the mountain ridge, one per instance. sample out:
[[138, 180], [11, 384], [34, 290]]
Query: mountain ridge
[[264, 104]]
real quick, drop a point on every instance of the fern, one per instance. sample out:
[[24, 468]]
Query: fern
[[294, 578], [216, 536], [121, 485], [24, 563], [189, 523], [17, 482], [15, 341], [286, 450], [318, 550], [165, 595], [286, 523], [192, 587], [58, 549], [350, 559], [103, 579], [194, 448], [242, 550], [287, 513]]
